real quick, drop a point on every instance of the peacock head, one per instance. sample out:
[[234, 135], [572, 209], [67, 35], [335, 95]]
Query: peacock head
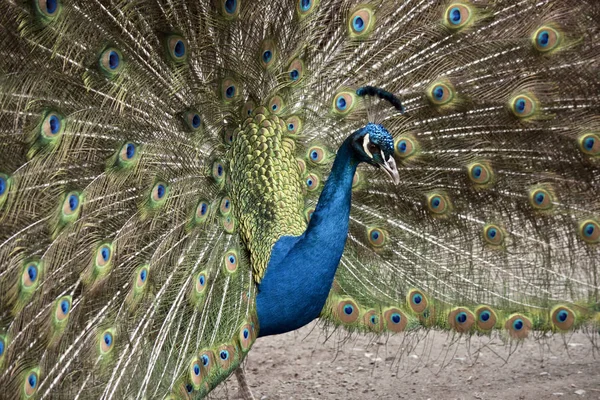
[[373, 144]]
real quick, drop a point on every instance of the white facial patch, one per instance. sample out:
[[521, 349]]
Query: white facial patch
[[366, 142]]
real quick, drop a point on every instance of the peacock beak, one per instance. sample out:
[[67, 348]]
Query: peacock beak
[[389, 167]]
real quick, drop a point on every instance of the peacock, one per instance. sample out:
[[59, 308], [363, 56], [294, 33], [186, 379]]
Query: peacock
[[181, 177]]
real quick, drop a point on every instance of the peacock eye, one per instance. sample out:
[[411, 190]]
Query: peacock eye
[[295, 71], [230, 8], [305, 5], [276, 104], [546, 39], [268, 53], [177, 48], [373, 148], [49, 9], [230, 90], [110, 62], [231, 261], [312, 182], [294, 124], [518, 324], [143, 275], [458, 16], [484, 316]]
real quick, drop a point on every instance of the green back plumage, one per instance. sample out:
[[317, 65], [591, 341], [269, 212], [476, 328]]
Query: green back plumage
[[266, 186], [151, 153]]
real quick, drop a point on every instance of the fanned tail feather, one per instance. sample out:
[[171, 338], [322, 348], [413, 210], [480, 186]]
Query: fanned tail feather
[[126, 270]]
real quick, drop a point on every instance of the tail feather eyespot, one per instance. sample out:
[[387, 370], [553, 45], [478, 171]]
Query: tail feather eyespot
[[193, 120], [541, 198], [207, 358], [312, 182], [563, 318], [377, 237], [296, 71], [230, 90], [5, 185], [373, 320], [344, 102], [231, 261], [523, 106], [111, 62], [276, 105], [440, 93], [230, 9], [177, 48], [159, 194], [486, 318], [62, 309], [405, 147], [268, 53], [229, 223], [458, 15], [439, 204], [246, 337], [106, 341], [52, 126], [361, 22], [225, 207], [293, 125], [347, 311], [589, 231], [197, 373], [589, 144], [546, 39], [461, 319], [202, 211], [48, 9], [480, 173], [3, 346], [31, 384], [306, 7], [395, 320], [518, 326], [493, 235], [226, 356], [417, 301]]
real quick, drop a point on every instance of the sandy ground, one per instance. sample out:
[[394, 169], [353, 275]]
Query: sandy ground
[[307, 365]]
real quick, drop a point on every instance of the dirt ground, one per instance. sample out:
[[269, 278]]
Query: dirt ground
[[307, 365]]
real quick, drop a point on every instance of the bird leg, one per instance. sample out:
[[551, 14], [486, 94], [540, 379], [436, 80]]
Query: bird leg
[[244, 388]]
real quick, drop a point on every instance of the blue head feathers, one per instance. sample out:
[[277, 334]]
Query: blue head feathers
[[374, 144]]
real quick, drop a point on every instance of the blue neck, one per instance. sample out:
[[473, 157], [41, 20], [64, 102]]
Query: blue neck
[[301, 269], [333, 209]]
